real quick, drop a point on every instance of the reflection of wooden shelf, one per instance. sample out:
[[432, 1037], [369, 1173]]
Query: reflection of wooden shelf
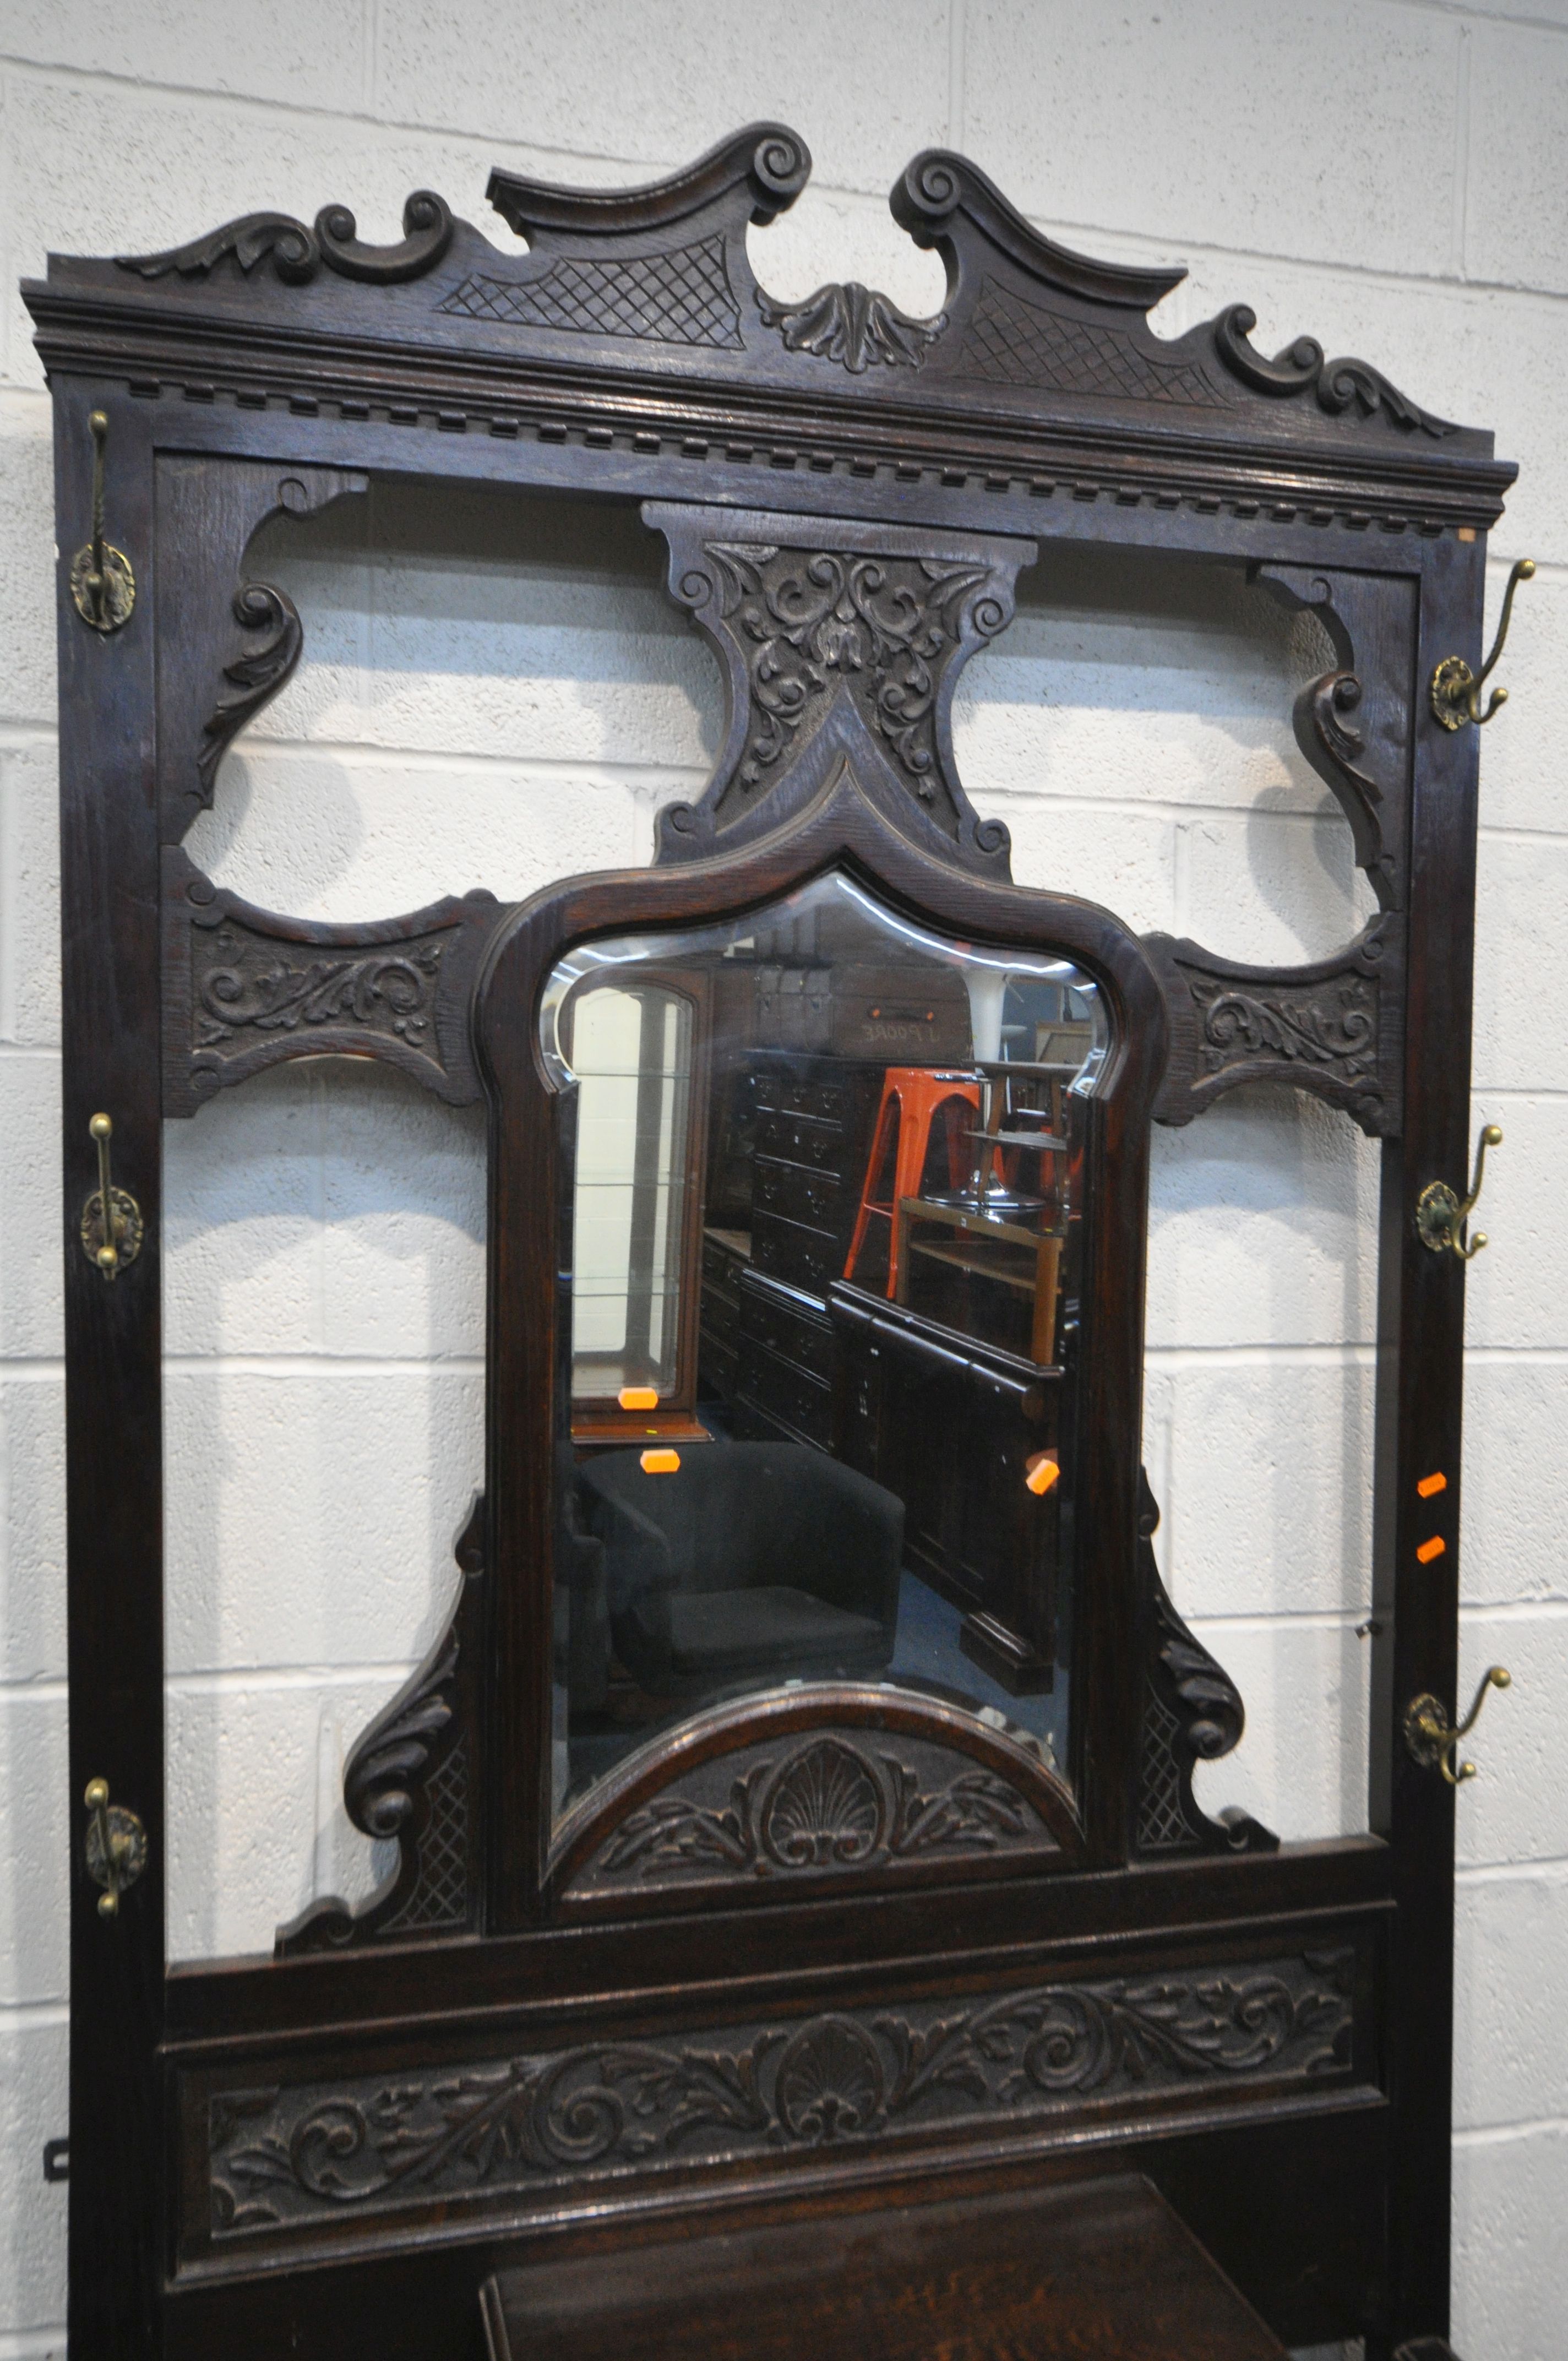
[[976, 1259], [738, 1241], [1008, 1253]]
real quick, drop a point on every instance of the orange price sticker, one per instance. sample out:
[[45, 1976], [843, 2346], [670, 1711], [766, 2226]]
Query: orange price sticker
[[1429, 1550], [1430, 1485], [659, 1463], [1042, 1472], [638, 1397]]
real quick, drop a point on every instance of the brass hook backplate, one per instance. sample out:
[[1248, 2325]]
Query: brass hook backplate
[[1430, 1741], [1441, 1215], [103, 587], [115, 1847], [109, 1249], [1455, 689]]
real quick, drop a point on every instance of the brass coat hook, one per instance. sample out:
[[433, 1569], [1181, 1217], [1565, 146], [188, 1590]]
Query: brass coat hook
[[1428, 1737], [115, 1847], [110, 1242], [1455, 689], [1441, 1215], [102, 583]]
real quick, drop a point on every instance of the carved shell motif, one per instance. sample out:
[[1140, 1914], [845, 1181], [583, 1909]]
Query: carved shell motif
[[831, 2083], [824, 1809]]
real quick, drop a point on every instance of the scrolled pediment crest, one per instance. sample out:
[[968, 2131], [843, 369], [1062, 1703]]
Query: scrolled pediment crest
[[1028, 328]]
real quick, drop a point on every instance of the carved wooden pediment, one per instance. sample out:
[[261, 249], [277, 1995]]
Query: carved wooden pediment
[[633, 305]]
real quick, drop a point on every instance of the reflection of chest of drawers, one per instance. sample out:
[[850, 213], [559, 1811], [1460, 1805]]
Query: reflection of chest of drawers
[[725, 1254], [813, 1116], [785, 1378]]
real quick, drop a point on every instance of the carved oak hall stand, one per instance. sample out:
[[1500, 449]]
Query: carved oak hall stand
[[795, 1826]]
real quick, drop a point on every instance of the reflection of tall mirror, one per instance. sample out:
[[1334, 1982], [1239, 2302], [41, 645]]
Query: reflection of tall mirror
[[826, 1180]]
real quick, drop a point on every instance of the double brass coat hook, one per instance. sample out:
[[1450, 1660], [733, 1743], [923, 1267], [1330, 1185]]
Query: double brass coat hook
[[1441, 1215], [111, 1219], [115, 1847], [1455, 689], [103, 587], [1428, 1737]]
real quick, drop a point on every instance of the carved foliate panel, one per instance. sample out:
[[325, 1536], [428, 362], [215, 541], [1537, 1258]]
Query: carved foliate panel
[[828, 1801], [245, 988], [865, 625], [517, 2127], [1332, 1028]]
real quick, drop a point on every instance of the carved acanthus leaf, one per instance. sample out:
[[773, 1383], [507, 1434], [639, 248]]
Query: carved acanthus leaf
[[247, 984], [854, 327], [838, 2079], [298, 253], [1334, 1025], [1339, 385]]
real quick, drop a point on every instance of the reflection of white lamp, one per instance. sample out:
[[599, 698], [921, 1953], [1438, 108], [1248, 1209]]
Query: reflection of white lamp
[[987, 988], [988, 1192]]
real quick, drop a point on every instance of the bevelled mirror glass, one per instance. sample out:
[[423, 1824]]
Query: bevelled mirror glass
[[826, 1179]]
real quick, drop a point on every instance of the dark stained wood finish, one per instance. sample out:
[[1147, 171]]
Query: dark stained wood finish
[[842, 826], [631, 355], [1104, 2272]]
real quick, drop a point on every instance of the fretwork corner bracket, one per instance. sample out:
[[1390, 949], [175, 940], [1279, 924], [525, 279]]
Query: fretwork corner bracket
[[1192, 1714], [413, 1778], [245, 988], [1353, 722], [1333, 1027], [847, 635], [207, 606]]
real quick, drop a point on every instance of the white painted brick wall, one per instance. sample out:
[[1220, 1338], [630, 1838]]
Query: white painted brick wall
[[491, 695]]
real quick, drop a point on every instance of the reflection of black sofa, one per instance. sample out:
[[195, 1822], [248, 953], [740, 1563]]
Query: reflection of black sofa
[[750, 1560]]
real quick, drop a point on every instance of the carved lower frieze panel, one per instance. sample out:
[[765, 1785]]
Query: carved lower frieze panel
[[528, 2130], [1333, 1027], [245, 988]]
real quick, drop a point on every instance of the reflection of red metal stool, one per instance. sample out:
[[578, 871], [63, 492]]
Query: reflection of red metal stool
[[912, 1096]]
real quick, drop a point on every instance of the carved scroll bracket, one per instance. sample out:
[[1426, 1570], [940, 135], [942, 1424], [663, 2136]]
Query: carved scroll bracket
[[1353, 723], [870, 623], [415, 1776], [245, 988], [226, 646], [1193, 1713], [1334, 1028]]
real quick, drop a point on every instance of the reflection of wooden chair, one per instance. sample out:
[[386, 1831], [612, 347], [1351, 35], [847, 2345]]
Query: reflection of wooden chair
[[912, 1096]]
